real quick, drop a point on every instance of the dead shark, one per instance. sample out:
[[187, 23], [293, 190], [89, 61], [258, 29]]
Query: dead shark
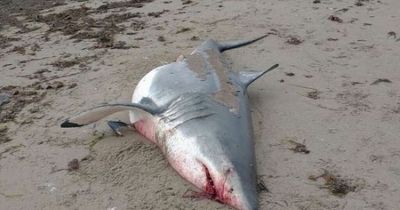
[[196, 111]]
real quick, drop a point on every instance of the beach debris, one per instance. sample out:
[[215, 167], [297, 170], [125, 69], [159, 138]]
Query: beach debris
[[313, 94], [335, 19], [182, 30], [335, 184], [161, 39], [73, 165], [294, 40], [392, 34], [261, 186], [299, 147], [289, 74], [359, 3], [381, 80]]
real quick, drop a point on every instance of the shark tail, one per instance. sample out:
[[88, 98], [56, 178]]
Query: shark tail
[[248, 77], [223, 46]]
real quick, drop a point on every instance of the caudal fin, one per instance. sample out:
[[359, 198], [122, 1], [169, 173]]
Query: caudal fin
[[223, 46], [248, 77]]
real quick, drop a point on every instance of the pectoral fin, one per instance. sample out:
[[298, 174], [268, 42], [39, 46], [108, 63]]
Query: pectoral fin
[[116, 126], [248, 77], [103, 111]]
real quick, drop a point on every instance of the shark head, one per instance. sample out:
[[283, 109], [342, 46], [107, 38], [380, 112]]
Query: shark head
[[222, 170]]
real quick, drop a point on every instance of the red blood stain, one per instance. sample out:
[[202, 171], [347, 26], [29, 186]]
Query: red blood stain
[[216, 190], [210, 187], [146, 127]]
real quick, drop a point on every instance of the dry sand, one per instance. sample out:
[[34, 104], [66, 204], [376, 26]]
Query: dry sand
[[322, 99]]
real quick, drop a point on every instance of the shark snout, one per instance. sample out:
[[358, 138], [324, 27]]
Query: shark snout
[[243, 199]]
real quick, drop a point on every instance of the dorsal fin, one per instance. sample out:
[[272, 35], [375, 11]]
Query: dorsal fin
[[248, 77]]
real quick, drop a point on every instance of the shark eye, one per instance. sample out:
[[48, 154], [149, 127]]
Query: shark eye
[[230, 190]]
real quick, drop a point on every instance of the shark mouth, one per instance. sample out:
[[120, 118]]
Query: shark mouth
[[214, 186], [216, 190], [210, 189]]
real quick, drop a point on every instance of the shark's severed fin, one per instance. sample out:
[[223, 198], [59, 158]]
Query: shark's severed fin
[[248, 77], [100, 112], [223, 46]]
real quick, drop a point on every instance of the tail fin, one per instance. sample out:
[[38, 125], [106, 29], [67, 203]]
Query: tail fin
[[235, 44], [248, 77]]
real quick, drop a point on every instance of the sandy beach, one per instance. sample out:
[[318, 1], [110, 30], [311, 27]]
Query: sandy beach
[[326, 122]]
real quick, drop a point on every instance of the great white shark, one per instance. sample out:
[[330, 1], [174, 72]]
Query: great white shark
[[196, 111]]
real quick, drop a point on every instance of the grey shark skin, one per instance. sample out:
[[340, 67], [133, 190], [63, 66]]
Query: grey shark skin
[[196, 111]]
